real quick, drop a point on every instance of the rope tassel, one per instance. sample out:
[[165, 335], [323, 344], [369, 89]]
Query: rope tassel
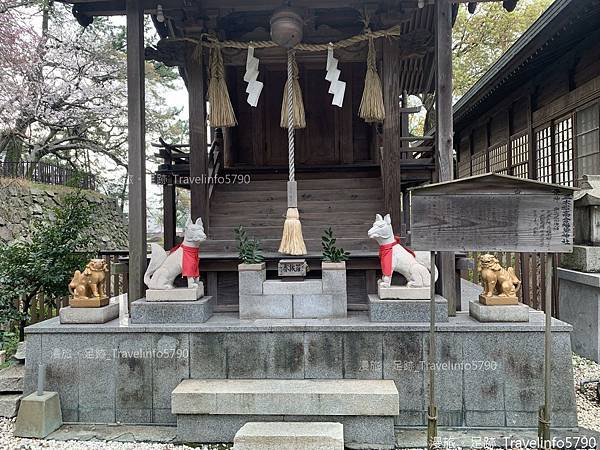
[[221, 112], [297, 110], [292, 241], [371, 106]]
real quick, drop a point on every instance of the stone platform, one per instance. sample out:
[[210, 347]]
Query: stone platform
[[180, 294], [499, 313], [211, 410], [172, 312], [103, 314], [406, 311], [490, 374]]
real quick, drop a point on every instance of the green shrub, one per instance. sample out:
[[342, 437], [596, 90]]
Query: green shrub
[[249, 248], [330, 252], [45, 262]]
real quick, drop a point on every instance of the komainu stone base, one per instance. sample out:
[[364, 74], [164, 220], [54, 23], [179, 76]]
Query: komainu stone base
[[39, 415], [499, 313], [406, 310], [403, 293], [92, 302], [180, 294], [103, 314], [373, 432], [290, 436], [498, 300], [198, 311]]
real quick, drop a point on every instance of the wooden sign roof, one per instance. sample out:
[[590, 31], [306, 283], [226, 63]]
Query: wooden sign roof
[[492, 212]]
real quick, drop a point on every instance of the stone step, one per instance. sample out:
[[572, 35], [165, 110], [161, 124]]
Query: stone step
[[286, 397], [11, 378], [290, 436], [9, 404]]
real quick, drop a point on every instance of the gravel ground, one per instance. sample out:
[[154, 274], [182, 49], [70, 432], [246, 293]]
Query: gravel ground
[[588, 403], [8, 442]]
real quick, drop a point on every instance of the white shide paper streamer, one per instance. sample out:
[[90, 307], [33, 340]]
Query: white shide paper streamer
[[254, 87], [337, 87]]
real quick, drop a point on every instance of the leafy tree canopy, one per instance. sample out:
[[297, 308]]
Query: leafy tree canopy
[[64, 92], [479, 39]]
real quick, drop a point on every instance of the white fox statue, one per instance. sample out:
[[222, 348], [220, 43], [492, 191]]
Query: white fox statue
[[165, 266], [394, 257]]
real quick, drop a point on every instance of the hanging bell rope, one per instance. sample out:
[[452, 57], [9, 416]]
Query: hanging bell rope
[[371, 107], [297, 105], [221, 112], [292, 241]]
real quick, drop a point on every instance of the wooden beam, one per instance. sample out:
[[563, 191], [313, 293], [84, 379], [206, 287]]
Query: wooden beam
[[169, 215], [444, 135], [198, 140], [392, 131], [136, 149]]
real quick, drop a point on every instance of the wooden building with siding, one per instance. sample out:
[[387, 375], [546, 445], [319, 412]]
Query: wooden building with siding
[[535, 114]]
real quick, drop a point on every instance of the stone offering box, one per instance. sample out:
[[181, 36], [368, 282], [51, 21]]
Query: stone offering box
[[283, 299]]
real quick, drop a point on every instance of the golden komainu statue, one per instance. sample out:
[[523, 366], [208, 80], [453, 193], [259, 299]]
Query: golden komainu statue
[[87, 287], [500, 285]]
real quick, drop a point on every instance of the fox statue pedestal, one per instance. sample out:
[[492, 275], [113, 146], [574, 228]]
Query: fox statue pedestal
[[188, 294], [410, 302], [165, 303]]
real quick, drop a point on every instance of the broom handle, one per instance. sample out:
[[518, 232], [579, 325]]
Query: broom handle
[[290, 105]]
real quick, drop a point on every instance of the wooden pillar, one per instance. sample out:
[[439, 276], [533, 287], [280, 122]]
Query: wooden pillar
[[390, 163], [444, 134], [137, 149], [169, 215], [198, 142]]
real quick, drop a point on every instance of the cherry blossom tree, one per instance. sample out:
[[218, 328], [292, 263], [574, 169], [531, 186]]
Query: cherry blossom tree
[[64, 95]]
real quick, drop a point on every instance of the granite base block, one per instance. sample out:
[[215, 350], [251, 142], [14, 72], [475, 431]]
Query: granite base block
[[254, 307], [499, 313], [71, 315], [183, 294], [584, 259], [375, 432], [403, 292], [579, 302], [290, 436], [39, 415], [416, 311], [199, 311]]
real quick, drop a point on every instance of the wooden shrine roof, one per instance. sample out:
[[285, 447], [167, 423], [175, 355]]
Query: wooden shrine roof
[[326, 21]]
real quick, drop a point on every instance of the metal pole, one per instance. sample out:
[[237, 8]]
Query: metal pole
[[431, 410], [544, 419], [41, 379]]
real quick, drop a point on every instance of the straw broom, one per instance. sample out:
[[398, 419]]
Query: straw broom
[[221, 112], [292, 241], [371, 105]]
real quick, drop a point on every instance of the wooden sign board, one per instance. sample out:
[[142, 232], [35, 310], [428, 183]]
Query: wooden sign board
[[492, 213]]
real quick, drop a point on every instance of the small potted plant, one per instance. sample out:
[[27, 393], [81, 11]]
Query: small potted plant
[[334, 258], [252, 269], [333, 270]]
